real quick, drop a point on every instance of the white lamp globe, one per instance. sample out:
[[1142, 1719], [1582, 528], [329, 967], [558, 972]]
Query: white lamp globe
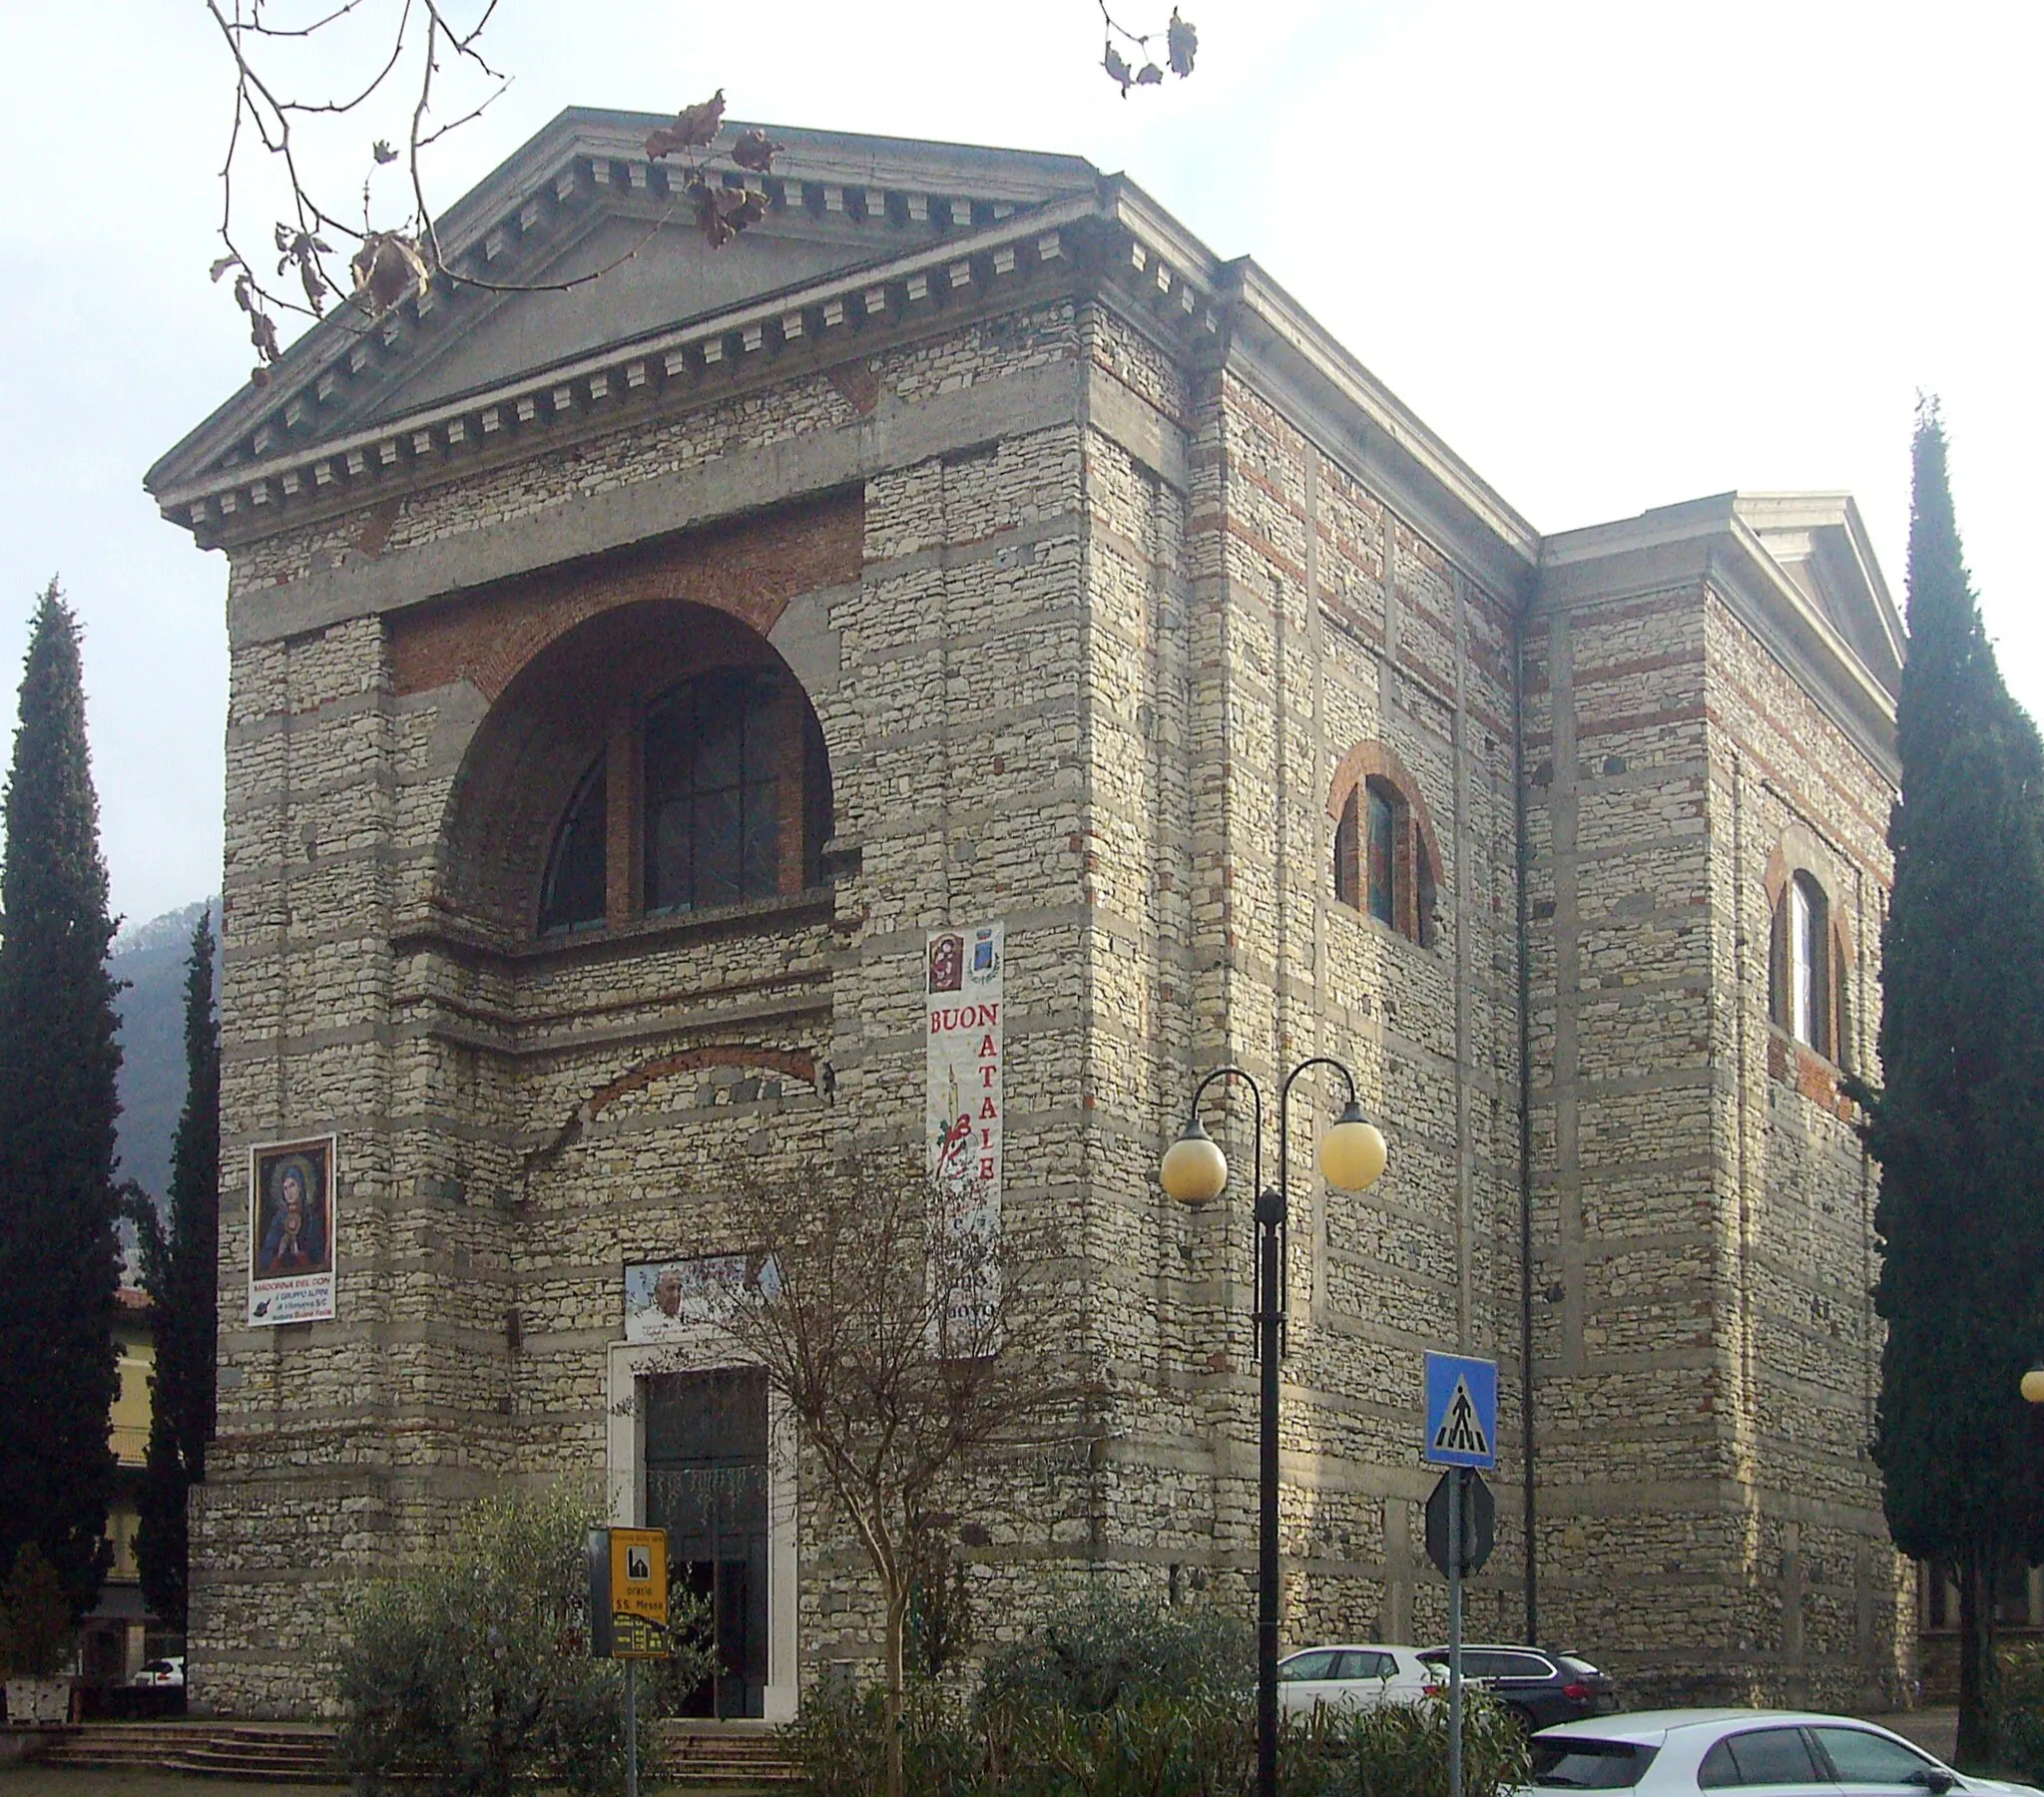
[[1194, 1170], [1352, 1153]]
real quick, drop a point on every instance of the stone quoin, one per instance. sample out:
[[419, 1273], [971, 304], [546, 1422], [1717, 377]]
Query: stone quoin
[[630, 683]]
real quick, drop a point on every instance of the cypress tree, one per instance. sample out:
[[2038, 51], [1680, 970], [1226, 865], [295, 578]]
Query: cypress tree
[[181, 1273], [59, 1261], [1959, 1127]]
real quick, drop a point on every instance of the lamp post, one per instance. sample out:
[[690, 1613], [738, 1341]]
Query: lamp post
[[1195, 1172]]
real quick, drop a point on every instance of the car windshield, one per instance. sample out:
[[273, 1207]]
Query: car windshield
[[1574, 1765]]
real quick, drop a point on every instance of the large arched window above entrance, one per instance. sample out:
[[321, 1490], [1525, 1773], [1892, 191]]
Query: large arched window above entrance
[[731, 803]]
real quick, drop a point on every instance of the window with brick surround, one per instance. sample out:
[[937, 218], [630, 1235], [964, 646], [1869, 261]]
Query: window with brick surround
[[1383, 864], [1804, 967], [711, 792]]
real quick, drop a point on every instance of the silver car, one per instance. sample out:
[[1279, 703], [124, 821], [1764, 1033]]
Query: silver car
[[1769, 1753], [1353, 1676]]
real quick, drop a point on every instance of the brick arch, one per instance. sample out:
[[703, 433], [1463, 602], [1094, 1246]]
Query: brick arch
[[749, 570], [1378, 761], [796, 1063], [523, 759], [1797, 850]]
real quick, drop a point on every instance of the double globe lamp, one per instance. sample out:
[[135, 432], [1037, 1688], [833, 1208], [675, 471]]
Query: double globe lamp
[[1195, 1172]]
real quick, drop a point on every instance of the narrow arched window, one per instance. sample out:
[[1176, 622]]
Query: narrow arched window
[[1346, 862], [572, 896], [1801, 966], [1381, 854], [1383, 863]]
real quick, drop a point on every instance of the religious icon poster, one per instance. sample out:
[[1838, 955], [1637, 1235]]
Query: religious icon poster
[[290, 1231]]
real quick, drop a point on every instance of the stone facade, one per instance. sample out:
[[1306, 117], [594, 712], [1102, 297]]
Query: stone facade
[[1124, 604]]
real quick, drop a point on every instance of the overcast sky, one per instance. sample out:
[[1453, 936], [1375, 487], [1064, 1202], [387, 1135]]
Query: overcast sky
[[1617, 255]]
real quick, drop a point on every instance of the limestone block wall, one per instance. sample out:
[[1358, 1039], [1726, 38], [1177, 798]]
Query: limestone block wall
[[1703, 1226], [1323, 622], [1095, 633], [1826, 1608]]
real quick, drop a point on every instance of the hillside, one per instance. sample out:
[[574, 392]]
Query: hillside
[[151, 959]]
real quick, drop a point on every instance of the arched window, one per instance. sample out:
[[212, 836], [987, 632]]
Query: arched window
[[726, 799], [1383, 860], [1803, 967], [572, 895]]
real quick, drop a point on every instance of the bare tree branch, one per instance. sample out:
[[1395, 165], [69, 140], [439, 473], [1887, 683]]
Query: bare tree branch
[[333, 257], [921, 1360]]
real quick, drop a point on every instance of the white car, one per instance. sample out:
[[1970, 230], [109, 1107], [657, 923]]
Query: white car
[[1353, 1676], [168, 1671], [1771, 1753]]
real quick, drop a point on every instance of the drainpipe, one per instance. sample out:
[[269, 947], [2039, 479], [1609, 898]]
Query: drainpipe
[[1525, 1150]]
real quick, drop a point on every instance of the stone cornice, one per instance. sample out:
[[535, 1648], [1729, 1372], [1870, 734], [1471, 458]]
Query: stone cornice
[[1031, 223], [1708, 541]]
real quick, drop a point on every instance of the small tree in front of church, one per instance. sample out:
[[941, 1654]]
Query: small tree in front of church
[[1957, 1124], [59, 1258], [928, 1365]]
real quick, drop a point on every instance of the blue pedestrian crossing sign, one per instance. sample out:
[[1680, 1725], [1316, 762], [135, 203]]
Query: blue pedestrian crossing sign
[[1461, 1411]]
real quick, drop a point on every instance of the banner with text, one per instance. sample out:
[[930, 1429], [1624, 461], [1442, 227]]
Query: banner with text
[[962, 1117]]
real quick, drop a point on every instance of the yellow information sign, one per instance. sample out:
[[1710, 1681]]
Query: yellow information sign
[[639, 1594]]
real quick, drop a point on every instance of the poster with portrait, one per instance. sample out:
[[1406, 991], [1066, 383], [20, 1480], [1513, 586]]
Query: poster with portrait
[[290, 1231], [663, 1298]]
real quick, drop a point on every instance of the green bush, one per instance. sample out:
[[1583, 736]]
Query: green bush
[[1116, 1699], [472, 1673], [2019, 1712], [35, 1618], [1096, 1653], [1401, 1750], [837, 1742]]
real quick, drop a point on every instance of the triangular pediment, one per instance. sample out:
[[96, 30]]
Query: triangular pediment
[[583, 197]]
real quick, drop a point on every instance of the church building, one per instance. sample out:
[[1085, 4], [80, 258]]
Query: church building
[[660, 703]]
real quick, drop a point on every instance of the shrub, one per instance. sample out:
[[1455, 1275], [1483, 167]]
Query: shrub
[[472, 1673], [35, 1618], [1401, 1750], [838, 1742], [2019, 1712], [1108, 1648]]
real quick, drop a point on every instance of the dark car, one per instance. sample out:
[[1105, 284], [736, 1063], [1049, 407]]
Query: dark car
[[1539, 1687]]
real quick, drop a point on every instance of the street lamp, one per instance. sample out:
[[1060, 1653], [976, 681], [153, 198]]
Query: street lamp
[[2033, 1386], [1195, 1172]]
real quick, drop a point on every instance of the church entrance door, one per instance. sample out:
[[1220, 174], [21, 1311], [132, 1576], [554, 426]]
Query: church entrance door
[[706, 1485]]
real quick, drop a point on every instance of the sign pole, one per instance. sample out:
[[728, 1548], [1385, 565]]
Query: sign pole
[[631, 1730], [1455, 1477]]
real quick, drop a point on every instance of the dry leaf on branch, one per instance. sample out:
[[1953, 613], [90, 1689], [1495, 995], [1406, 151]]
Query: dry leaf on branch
[[1117, 69], [695, 127], [721, 213], [1183, 44], [305, 249], [1149, 75], [223, 265], [382, 152], [754, 149], [387, 267]]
